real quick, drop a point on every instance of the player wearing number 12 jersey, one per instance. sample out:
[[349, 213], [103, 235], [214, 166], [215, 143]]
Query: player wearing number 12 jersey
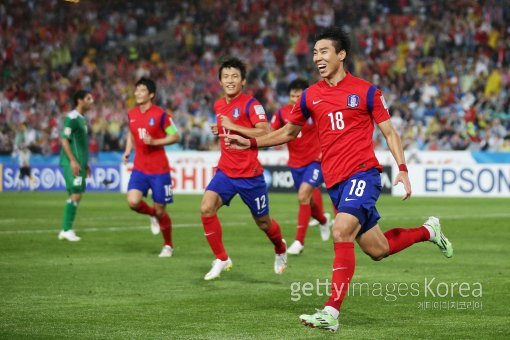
[[151, 128], [238, 171], [344, 108], [305, 166]]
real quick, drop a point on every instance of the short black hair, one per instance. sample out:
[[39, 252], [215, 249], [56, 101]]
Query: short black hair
[[148, 83], [79, 95], [233, 62], [297, 84], [338, 36]]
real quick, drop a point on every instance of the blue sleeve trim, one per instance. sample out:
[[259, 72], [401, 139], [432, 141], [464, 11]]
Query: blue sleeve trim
[[370, 98], [162, 121], [302, 105], [247, 108]]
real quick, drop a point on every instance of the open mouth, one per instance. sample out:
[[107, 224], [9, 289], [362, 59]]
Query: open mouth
[[321, 67]]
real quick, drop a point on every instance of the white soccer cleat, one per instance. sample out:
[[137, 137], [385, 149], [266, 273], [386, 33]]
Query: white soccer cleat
[[313, 222], [217, 267], [68, 235], [167, 251], [326, 227], [155, 225], [280, 261], [295, 248]]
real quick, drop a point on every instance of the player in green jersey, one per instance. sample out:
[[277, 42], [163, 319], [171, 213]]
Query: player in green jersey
[[74, 158]]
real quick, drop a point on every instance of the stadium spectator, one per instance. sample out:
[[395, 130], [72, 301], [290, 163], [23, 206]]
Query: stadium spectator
[[434, 53]]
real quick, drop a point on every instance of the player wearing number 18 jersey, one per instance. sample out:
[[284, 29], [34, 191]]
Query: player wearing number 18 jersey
[[239, 171], [151, 128], [344, 108]]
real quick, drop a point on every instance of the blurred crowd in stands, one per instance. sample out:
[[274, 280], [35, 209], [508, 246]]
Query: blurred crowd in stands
[[444, 66]]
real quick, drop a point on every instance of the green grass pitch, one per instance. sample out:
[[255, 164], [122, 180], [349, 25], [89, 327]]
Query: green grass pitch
[[112, 284]]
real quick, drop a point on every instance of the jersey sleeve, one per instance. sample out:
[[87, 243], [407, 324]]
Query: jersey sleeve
[[67, 131], [299, 113], [257, 114], [379, 107], [168, 125], [276, 120]]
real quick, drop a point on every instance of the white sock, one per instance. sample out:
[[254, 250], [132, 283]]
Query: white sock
[[332, 311], [431, 232]]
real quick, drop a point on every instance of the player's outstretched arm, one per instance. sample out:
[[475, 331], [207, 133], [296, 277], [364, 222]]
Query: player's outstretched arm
[[236, 142], [281, 136], [393, 141], [260, 128]]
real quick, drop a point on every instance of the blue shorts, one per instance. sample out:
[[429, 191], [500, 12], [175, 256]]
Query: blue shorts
[[161, 186], [311, 174], [253, 191], [357, 196]]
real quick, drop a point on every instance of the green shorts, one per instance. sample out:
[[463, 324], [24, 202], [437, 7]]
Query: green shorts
[[75, 184]]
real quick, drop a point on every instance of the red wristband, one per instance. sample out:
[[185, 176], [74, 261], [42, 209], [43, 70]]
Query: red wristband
[[402, 167], [253, 143]]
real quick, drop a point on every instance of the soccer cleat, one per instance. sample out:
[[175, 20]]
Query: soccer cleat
[[68, 235], [217, 267], [326, 227], [167, 251], [439, 239], [295, 248], [322, 320], [154, 225], [313, 222], [280, 261]]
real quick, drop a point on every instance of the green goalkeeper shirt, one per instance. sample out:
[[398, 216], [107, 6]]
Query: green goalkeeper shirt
[[75, 130]]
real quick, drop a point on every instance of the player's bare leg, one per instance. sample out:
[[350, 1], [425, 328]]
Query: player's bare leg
[[211, 203], [273, 232]]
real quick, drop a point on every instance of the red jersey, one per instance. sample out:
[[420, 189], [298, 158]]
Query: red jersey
[[149, 159], [305, 149], [344, 116], [245, 111]]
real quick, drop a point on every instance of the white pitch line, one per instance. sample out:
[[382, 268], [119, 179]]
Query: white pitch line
[[197, 225], [45, 231]]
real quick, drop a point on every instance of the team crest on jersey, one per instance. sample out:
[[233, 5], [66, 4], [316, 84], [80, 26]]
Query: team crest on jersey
[[236, 113], [151, 122], [353, 100]]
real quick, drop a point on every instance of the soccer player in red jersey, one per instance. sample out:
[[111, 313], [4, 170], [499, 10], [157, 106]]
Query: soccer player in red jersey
[[344, 109], [151, 128], [305, 166], [238, 172]]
